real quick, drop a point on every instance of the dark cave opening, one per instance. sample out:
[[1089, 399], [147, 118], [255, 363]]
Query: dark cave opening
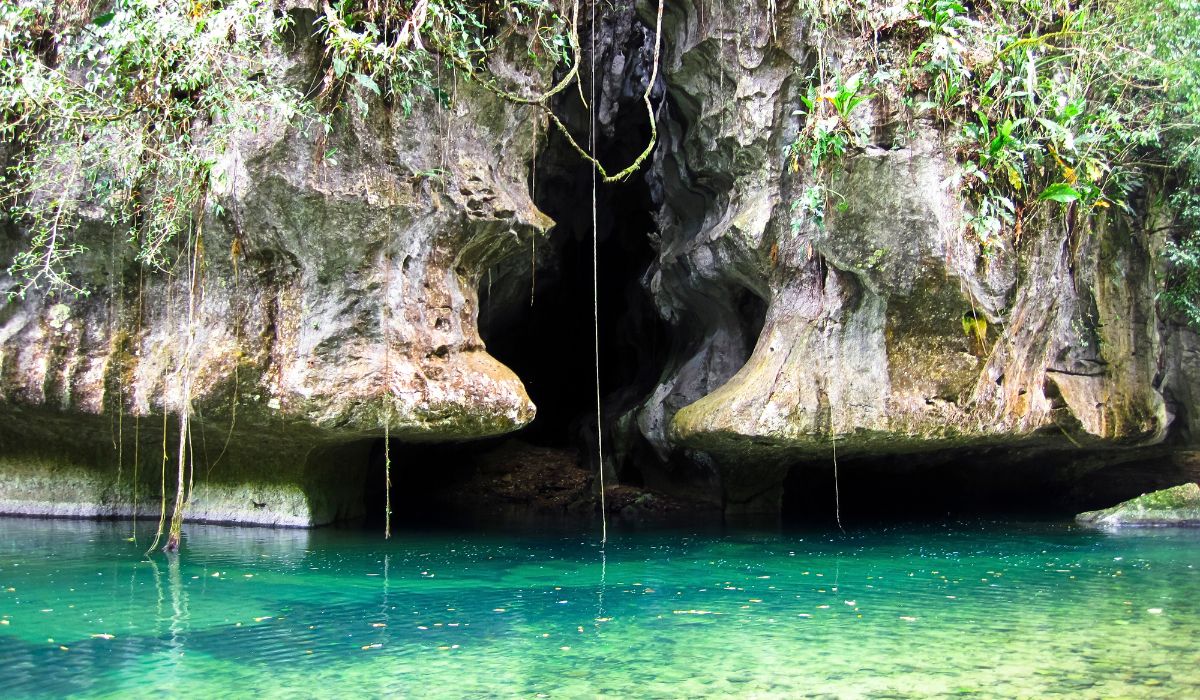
[[547, 334], [537, 318], [899, 488], [988, 484], [494, 483], [418, 472]]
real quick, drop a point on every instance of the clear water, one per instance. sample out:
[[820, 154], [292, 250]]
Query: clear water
[[994, 610]]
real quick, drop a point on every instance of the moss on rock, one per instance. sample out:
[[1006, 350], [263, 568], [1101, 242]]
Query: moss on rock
[[1179, 505]]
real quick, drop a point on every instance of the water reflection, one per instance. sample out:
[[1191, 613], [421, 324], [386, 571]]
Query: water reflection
[[247, 542], [600, 617], [999, 610]]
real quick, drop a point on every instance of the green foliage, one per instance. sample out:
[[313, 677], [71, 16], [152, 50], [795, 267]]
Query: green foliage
[[1058, 110], [125, 115], [942, 56], [810, 205], [975, 327], [875, 262], [1183, 292], [397, 48], [1177, 51], [1066, 105], [828, 131]]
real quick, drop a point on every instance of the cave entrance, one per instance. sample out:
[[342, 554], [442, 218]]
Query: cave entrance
[[495, 483], [536, 316], [536, 310], [421, 476], [538, 320], [907, 488], [546, 335]]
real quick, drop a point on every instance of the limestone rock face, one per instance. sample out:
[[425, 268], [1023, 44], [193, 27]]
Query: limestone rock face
[[887, 328], [334, 297]]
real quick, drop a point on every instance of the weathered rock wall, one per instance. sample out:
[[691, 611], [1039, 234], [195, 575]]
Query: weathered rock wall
[[334, 294], [863, 347], [337, 293]]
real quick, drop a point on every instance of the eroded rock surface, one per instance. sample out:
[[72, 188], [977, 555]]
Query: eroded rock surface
[[863, 347], [334, 299], [337, 296]]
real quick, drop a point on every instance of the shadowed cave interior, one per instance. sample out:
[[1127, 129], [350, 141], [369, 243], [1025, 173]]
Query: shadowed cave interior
[[535, 316]]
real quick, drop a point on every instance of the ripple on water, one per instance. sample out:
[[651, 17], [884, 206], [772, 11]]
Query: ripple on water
[[997, 610]]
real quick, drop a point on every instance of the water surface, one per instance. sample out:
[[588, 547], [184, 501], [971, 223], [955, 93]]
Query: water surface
[[997, 610]]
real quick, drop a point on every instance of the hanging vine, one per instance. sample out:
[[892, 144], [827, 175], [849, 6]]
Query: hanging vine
[[596, 169], [385, 316], [135, 105], [186, 463], [383, 42]]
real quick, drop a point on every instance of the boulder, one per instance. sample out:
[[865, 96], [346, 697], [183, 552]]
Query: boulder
[[1176, 506]]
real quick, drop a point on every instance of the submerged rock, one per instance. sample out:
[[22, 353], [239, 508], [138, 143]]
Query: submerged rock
[[1179, 505]]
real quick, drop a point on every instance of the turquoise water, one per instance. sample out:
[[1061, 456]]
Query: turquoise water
[[1016, 610]]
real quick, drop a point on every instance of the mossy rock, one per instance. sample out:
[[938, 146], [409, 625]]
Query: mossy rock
[[1176, 506]]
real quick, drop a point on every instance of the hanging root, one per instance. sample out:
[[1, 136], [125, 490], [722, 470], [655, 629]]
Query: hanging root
[[641, 158], [162, 504], [542, 101], [387, 395], [176, 531], [837, 493], [387, 477], [185, 476], [596, 169], [137, 439], [137, 419]]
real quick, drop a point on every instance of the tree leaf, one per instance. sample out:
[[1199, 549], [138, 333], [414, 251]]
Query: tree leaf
[[367, 81], [1014, 178], [1060, 192]]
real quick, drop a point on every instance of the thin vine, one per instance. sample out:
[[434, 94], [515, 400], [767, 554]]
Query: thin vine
[[641, 157], [387, 397], [135, 106], [596, 169]]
